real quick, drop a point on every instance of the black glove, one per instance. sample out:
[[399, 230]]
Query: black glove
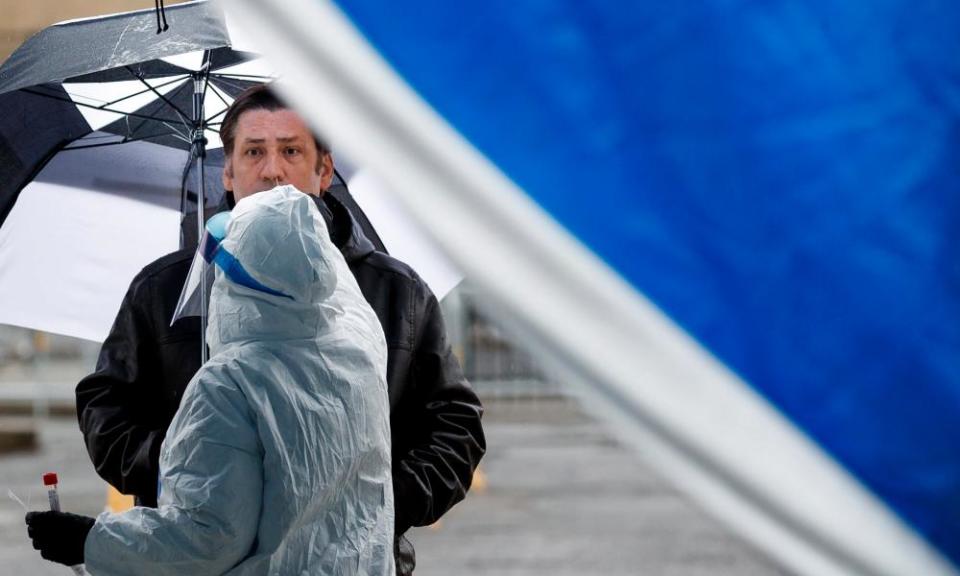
[[59, 536]]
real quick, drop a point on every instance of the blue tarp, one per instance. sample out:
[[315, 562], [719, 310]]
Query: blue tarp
[[780, 177]]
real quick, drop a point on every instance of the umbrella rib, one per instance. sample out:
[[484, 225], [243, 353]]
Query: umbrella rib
[[219, 95], [131, 133], [180, 135], [179, 112], [81, 104], [208, 122], [241, 82], [135, 94], [125, 140], [243, 76], [176, 133]]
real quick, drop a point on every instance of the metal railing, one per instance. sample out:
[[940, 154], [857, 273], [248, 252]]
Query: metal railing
[[493, 362]]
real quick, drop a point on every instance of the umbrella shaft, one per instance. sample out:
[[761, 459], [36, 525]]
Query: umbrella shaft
[[199, 152]]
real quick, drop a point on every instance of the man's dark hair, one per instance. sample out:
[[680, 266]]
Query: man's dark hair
[[259, 97]]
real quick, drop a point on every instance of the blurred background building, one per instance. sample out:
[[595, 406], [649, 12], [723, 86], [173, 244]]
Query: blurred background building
[[21, 19]]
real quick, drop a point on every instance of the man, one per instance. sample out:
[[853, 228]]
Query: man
[[126, 405]]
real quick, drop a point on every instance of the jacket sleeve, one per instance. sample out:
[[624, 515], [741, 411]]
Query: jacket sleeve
[[436, 474], [212, 486], [116, 404]]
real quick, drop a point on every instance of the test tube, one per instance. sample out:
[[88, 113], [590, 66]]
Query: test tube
[[50, 482]]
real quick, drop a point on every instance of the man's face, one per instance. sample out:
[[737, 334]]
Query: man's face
[[272, 148]]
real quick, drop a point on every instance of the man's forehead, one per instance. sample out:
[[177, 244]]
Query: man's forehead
[[279, 124]]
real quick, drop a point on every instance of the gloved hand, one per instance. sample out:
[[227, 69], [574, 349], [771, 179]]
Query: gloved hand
[[59, 536]]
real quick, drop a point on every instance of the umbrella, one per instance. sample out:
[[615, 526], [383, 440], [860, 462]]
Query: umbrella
[[733, 224], [130, 117]]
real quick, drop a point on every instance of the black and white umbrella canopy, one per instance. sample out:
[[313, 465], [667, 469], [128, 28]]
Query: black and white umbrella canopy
[[103, 126]]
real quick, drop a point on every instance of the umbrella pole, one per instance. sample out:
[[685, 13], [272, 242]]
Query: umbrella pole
[[199, 151]]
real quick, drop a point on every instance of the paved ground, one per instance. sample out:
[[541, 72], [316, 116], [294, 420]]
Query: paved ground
[[560, 498]]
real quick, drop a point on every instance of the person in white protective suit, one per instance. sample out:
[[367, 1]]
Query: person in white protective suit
[[278, 461]]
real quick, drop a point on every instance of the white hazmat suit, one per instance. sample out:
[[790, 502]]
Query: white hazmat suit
[[278, 460]]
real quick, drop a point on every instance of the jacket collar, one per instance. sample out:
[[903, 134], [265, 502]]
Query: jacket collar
[[346, 233]]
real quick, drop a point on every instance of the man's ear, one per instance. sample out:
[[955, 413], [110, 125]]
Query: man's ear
[[325, 170], [227, 174]]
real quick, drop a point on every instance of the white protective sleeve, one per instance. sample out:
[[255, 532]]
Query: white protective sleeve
[[211, 490]]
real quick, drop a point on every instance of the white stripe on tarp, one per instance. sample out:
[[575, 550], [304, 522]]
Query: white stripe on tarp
[[698, 422]]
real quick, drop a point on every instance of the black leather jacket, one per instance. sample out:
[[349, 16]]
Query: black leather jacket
[[126, 405]]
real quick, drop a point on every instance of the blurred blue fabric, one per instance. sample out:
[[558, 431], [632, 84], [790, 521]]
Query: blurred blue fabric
[[780, 177]]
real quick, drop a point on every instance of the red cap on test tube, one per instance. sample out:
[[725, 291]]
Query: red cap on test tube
[[50, 479]]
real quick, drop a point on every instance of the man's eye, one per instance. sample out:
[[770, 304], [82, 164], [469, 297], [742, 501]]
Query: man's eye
[[292, 151], [252, 152]]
